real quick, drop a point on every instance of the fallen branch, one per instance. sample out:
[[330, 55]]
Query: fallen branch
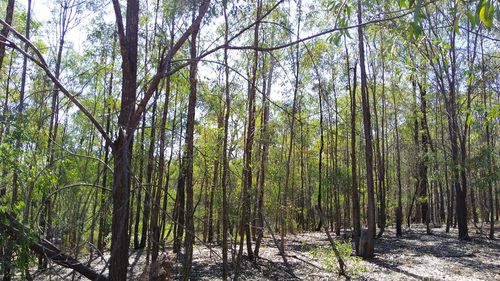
[[281, 251], [12, 227]]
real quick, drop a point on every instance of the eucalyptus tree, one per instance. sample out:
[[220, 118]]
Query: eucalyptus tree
[[297, 80], [367, 249], [210, 123], [244, 231]]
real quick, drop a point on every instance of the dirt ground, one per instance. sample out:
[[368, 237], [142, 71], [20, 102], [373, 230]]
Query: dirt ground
[[415, 256]]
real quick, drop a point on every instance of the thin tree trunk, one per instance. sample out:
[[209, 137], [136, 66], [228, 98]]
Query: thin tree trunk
[[215, 181], [490, 147], [320, 161], [264, 155], [225, 160], [292, 131], [399, 209], [104, 196], [459, 176], [189, 155], [356, 221], [424, 159], [336, 167], [368, 248], [247, 170], [20, 112], [140, 202], [155, 225]]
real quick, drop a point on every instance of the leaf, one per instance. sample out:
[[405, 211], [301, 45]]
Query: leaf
[[20, 206], [417, 13], [348, 10], [471, 78], [456, 28], [470, 118], [346, 32], [484, 14], [472, 19], [336, 40], [491, 13]]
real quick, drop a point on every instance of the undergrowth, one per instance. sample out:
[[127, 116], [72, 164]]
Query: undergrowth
[[325, 254]]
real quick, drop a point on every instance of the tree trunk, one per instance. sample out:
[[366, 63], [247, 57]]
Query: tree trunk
[[368, 251], [155, 224], [189, 156], [20, 112], [459, 177], [292, 131], [264, 155], [225, 160], [399, 209], [356, 222], [247, 170], [424, 159], [123, 145]]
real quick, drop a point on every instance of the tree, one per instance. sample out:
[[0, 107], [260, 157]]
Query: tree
[[261, 89], [368, 249]]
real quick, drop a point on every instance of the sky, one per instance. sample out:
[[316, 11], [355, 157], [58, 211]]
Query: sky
[[41, 11]]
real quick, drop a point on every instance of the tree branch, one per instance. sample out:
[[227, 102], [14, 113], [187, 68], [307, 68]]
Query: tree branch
[[43, 64], [153, 86]]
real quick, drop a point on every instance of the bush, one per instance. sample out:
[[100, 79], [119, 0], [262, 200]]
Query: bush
[[325, 254]]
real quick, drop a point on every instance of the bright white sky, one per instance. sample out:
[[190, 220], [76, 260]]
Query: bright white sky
[[41, 11]]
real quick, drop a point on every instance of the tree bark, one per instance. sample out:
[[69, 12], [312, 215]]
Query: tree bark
[[292, 131], [250, 130], [225, 157], [189, 155], [155, 224], [264, 156], [399, 209], [356, 222], [123, 144], [369, 251]]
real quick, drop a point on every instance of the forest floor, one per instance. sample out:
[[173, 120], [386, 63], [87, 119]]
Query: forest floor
[[415, 256]]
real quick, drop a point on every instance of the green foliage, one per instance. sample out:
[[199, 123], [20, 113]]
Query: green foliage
[[486, 12], [18, 246], [326, 255], [415, 27], [398, 52]]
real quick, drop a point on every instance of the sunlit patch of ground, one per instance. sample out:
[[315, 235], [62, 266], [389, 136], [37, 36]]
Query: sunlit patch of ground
[[415, 256]]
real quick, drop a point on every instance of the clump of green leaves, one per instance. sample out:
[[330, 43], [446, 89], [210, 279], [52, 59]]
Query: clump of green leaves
[[486, 12], [16, 256], [325, 254]]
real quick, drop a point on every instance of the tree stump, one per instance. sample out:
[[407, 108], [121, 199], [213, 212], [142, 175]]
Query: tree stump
[[366, 244]]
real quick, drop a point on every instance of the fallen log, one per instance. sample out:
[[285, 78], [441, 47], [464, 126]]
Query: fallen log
[[10, 226]]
